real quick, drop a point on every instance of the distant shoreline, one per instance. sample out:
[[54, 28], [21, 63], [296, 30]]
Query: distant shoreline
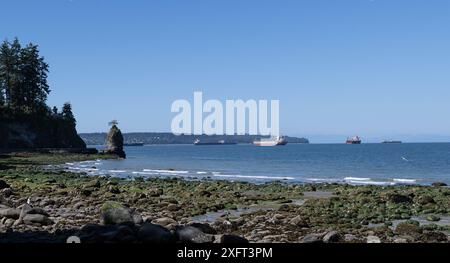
[[170, 138]]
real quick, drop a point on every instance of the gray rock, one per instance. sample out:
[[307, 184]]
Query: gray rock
[[190, 234], [3, 184], [173, 207], [398, 198], [137, 218], [7, 192], [152, 233], [156, 192], [120, 233], [114, 189], [9, 222], [205, 228], [400, 240], [117, 215], [165, 222], [438, 184], [298, 221], [10, 213], [312, 238], [114, 142], [230, 239], [350, 238], [24, 209], [373, 239], [332, 236], [37, 219], [433, 237]]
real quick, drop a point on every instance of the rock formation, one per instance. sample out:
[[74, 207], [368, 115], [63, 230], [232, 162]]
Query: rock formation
[[114, 142], [38, 131]]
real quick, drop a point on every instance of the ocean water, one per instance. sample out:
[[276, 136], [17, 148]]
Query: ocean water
[[378, 164]]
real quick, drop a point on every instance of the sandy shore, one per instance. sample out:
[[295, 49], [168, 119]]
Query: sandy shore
[[39, 205]]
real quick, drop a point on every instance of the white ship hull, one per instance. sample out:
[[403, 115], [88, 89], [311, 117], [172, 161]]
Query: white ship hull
[[277, 142]]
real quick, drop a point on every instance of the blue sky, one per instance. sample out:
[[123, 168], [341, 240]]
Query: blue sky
[[379, 68]]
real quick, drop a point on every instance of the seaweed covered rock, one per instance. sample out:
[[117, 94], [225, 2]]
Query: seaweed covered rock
[[114, 142]]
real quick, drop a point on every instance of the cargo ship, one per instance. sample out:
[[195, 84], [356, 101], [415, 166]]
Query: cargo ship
[[220, 142], [276, 141], [353, 140], [391, 141]]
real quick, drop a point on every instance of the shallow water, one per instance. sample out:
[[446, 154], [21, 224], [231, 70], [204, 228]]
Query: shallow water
[[375, 164]]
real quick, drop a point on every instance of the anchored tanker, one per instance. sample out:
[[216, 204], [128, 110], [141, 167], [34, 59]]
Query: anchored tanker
[[279, 140], [353, 140]]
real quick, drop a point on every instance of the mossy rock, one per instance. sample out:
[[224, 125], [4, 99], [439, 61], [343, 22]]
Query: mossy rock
[[433, 218], [409, 227], [110, 205]]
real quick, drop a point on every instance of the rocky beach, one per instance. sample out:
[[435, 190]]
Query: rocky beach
[[41, 203]]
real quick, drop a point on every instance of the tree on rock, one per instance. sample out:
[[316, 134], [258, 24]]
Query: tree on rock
[[67, 113], [114, 141]]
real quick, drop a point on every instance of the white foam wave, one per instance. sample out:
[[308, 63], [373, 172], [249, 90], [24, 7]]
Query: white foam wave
[[410, 181], [253, 176], [166, 171], [356, 179], [369, 182], [323, 179]]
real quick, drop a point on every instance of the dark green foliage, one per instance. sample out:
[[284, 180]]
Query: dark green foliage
[[25, 119], [67, 113], [23, 77]]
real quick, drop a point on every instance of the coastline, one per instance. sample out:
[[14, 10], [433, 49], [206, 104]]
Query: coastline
[[75, 204]]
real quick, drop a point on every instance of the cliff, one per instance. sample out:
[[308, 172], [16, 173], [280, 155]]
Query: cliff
[[24, 131]]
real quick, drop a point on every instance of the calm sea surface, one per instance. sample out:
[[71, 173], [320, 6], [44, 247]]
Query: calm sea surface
[[382, 164]]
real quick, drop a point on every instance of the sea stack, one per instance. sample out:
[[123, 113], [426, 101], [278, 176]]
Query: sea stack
[[114, 141]]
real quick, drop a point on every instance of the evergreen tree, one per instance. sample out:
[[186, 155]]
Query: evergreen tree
[[33, 71], [23, 77], [55, 110], [67, 113], [9, 72]]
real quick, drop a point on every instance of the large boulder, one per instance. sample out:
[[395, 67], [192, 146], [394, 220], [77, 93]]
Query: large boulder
[[114, 142], [409, 228], [190, 234], [332, 236], [114, 213], [37, 219], [10, 213], [152, 233], [398, 198], [312, 238]]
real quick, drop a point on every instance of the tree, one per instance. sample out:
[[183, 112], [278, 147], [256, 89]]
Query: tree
[[55, 110], [9, 72], [33, 72], [67, 113], [23, 77]]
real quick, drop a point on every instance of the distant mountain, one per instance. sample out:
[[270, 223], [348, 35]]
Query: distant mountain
[[170, 138]]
